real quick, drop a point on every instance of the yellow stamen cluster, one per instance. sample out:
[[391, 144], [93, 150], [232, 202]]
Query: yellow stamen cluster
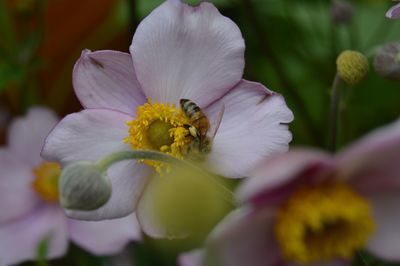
[[320, 223], [46, 181], [159, 127]]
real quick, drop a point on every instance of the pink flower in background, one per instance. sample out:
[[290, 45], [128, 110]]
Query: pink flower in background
[[28, 200], [178, 52], [394, 12], [308, 207]]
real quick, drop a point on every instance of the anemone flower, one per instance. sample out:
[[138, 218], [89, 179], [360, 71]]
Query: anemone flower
[[178, 52], [308, 207], [394, 12], [30, 212]]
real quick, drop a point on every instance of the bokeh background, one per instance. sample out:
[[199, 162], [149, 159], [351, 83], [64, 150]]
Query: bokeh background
[[291, 47]]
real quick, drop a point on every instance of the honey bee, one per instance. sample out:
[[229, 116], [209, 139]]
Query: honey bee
[[198, 127]]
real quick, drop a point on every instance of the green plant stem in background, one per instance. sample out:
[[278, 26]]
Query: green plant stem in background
[[291, 89], [334, 113]]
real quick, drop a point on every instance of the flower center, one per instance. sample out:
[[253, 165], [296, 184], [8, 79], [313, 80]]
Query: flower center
[[323, 222], [46, 181], [160, 127]]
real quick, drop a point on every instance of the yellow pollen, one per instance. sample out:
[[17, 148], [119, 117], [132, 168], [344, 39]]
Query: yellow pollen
[[324, 222], [159, 127], [46, 181]]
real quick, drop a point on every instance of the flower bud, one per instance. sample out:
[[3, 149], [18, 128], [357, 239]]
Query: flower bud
[[186, 202], [342, 12], [352, 66], [83, 187], [387, 61]]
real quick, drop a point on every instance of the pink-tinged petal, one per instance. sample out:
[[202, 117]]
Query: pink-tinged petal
[[253, 127], [275, 178], [192, 258], [91, 135], [88, 135], [385, 242], [106, 79], [26, 134], [105, 237], [181, 51], [19, 240], [372, 164], [17, 197], [245, 237], [128, 180], [394, 12]]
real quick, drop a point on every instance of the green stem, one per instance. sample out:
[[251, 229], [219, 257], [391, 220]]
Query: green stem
[[111, 159], [334, 113]]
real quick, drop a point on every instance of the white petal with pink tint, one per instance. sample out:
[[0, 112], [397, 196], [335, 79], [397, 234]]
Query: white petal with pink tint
[[394, 12], [17, 196], [106, 79], [282, 169], [385, 242], [104, 237], [180, 51], [191, 258], [19, 240], [372, 164], [253, 127], [26, 134], [91, 135], [88, 135], [243, 238]]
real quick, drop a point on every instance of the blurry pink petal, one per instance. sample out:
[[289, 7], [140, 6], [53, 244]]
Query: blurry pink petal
[[88, 135], [104, 237], [372, 164], [270, 177], [253, 127], [244, 238], [180, 51], [385, 242], [19, 240], [192, 258], [394, 12], [106, 79], [17, 197], [26, 134], [128, 179], [91, 135]]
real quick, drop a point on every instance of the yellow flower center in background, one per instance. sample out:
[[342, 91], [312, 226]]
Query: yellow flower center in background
[[323, 222], [46, 181], [159, 127]]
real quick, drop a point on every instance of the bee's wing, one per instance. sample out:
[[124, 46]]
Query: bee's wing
[[217, 122]]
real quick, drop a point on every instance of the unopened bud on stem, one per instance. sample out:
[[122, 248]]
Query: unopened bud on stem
[[84, 187], [352, 66], [387, 61]]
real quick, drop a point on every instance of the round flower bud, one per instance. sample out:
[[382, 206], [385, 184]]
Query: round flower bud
[[387, 61], [352, 66], [185, 202], [83, 187], [342, 12]]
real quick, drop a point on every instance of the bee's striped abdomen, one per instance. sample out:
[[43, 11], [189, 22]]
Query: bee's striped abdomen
[[196, 116]]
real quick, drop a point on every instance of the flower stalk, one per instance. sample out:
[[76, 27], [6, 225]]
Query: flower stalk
[[334, 113]]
